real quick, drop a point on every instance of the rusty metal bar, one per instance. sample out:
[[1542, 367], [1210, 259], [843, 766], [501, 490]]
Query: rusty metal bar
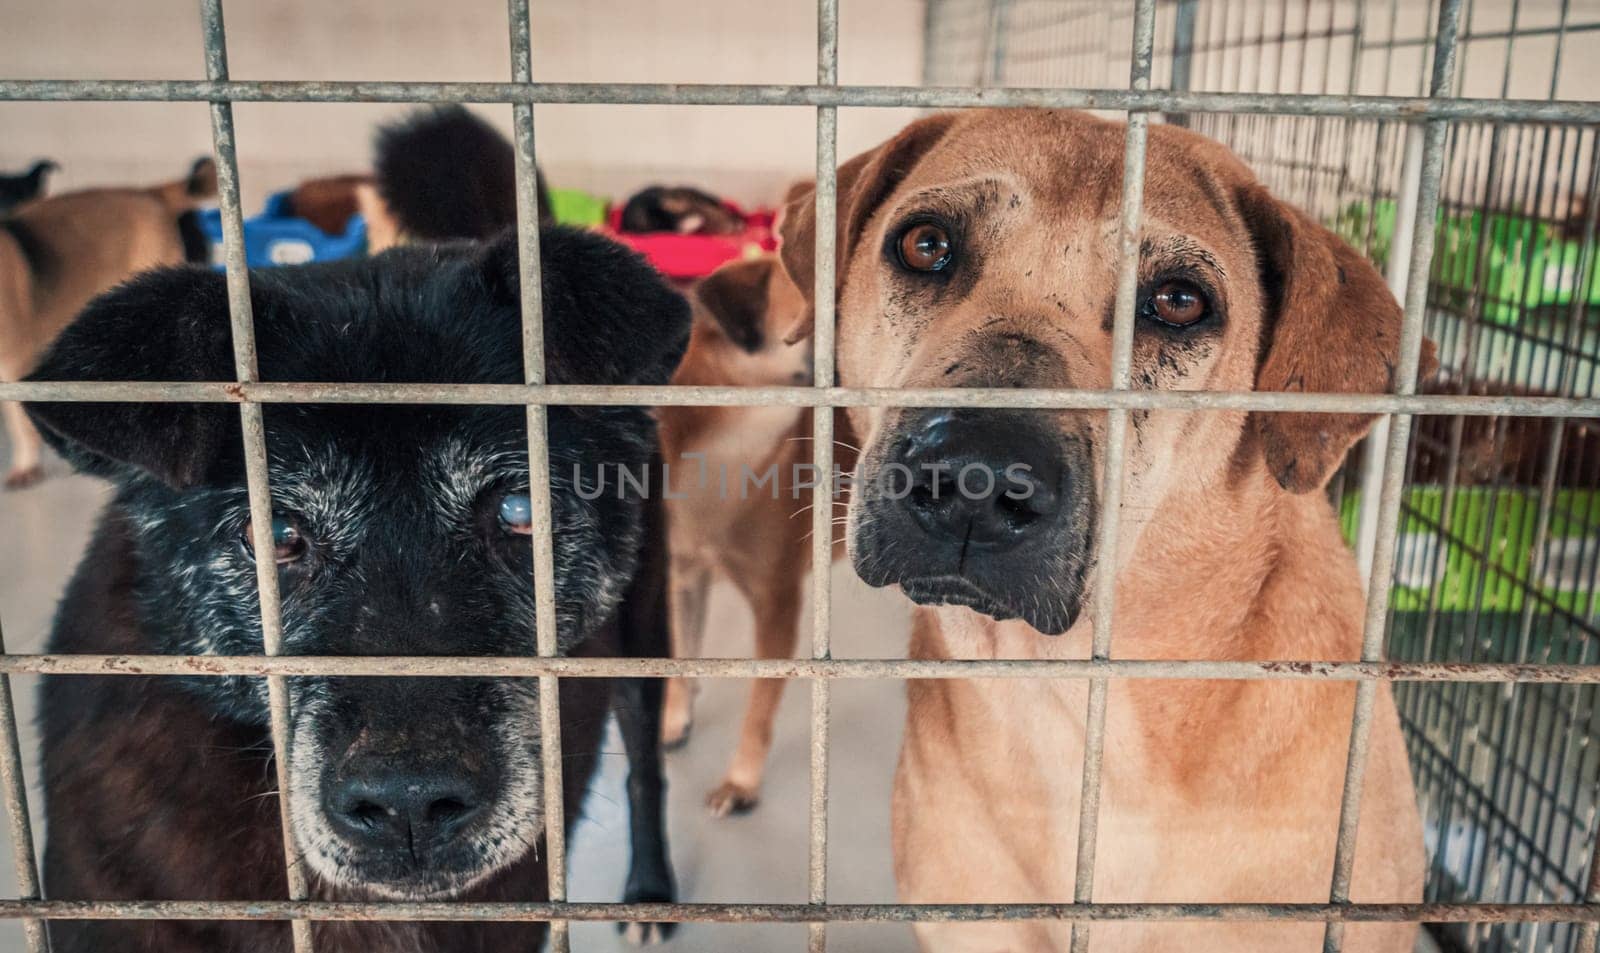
[[1094, 739], [579, 395], [18, 823], [1399, 435], [448, 666], [253, 426], [822, 493], [1410, 108], [1589, 936], [483, 912], [530, 282]]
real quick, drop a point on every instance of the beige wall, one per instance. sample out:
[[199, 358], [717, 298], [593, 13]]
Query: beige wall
[[748, 153]]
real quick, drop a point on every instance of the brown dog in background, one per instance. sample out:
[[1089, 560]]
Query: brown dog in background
[[726, 518], [59, 252], [982, 250]]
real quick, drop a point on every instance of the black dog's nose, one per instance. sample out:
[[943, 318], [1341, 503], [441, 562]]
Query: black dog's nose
[[987, 480], [401, 810]]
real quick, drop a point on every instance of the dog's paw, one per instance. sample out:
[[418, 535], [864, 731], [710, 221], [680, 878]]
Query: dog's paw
[[646, 934], [730, 798], [675, 736], [26, 477]]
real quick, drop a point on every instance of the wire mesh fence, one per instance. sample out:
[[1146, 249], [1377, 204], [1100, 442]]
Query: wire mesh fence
[[1482, 596]]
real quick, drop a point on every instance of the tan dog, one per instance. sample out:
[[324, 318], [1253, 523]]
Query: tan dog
[[980, 249], [59, 252], [740, 501]]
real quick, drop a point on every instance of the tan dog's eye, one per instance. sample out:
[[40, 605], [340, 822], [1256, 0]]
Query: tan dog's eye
[[924, 247], [1177, 303]]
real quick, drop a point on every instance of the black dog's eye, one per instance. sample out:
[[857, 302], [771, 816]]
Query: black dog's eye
[[287, 542], [516, 513], [924, 246], [1177, 303]]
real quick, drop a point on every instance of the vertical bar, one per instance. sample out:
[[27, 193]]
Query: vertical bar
[[1183, 31], [1372, 639], [533, 369], [21, 827], [1133, 162], [1589, 933], [822, 459], [242, 318], [1398, 273]]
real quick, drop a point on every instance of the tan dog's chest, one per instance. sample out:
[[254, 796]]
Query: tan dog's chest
[[1200, 802]]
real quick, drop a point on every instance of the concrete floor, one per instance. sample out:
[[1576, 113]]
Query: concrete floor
[[758, 857]]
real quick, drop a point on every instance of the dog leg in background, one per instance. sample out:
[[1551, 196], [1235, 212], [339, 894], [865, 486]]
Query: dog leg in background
[[643, 620], [25, 469], [775, 601], [691, 590]]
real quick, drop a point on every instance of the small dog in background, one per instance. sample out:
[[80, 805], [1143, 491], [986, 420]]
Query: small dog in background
[[680, 209], [740, 501], [57, 253], [24, 186]]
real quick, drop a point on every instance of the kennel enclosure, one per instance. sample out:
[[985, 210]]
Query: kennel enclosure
[[1481, 204]]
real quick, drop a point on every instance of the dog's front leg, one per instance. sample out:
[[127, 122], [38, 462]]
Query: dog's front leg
[[644, 631], [25, 468], [650, 867]]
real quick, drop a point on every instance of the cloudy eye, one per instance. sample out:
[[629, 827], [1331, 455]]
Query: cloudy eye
[[516, 513], [288, 545]]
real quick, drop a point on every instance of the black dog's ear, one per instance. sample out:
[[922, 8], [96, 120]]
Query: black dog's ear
[[169, 325], [736, 296], [609, 318]]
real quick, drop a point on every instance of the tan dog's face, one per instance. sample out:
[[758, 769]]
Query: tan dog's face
[[981, 250]]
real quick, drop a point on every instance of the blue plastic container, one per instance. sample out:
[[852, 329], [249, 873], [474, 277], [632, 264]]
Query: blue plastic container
[[277, 237]]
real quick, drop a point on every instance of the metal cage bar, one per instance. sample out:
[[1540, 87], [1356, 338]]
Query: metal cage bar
[[15, 788], [578, 395], [1407, 108], [822, 490], [242, 324], [1094, 744], [443, 666], [1398, 439], [488, 912], [530, 281]]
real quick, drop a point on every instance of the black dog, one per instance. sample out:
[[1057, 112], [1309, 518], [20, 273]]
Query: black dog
[[24, 186], [399, 530]]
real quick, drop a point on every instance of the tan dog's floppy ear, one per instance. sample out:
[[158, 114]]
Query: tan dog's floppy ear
[[1332, 326], [736, 296], [862, 185]]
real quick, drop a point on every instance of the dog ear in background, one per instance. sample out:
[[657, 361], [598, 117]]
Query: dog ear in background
[[862, 184], [169, 325], [24, 186], [184, 197], [735, 295], [446, 174], [619, 324], [1332, 325]]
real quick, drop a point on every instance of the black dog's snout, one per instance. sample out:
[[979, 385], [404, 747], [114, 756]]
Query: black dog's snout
[[395, 809], [988, 480]]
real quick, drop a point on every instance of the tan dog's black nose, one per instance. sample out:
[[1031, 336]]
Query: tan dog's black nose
[[983, 480]]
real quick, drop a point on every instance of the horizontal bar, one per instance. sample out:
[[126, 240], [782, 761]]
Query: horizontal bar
[[529, 666], [691, 94], [1471, 405], [478, 911]]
